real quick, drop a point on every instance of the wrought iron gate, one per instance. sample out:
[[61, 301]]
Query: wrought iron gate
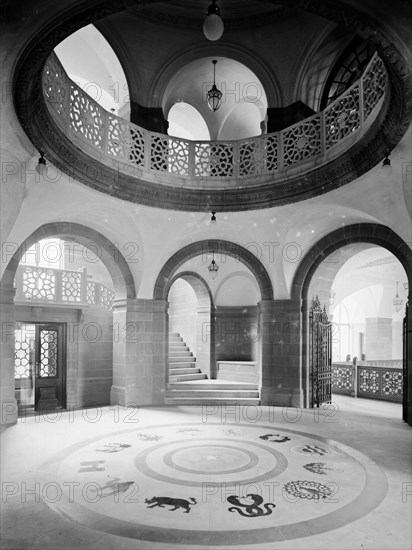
[[405, 364], [320, 354]]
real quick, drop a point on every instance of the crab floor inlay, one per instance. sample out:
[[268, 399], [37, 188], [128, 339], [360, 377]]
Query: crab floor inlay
[[197, 484]]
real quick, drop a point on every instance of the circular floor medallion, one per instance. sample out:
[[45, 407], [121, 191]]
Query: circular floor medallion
[[213, 484]]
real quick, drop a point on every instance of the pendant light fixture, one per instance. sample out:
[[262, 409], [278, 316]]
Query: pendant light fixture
[[214, 95], [41, 166], [213, 25], [213, 268], [397, 302]]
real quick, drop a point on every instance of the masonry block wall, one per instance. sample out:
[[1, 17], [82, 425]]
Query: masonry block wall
[[280, 330], [236, 333], [378, 338], [95, 366]]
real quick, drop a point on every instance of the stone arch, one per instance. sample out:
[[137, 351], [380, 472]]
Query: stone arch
[[204, 348], [372, 233], [218, 246], [107, 252], [245, 57], [375, 234], [197, 282]]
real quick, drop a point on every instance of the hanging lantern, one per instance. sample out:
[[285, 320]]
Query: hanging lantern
[[397, 302], [213, 268], [214, 95]]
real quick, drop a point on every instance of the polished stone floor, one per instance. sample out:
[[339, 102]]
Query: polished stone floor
[[209, 477]]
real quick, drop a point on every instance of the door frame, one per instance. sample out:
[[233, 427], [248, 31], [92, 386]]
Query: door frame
[[61, 356]]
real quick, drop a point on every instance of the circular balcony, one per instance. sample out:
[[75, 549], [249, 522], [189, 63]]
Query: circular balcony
[[326, 151], [134, 164]]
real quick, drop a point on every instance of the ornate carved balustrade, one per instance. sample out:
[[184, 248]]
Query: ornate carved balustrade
[[150, 156], [374, 380], [43, 285]]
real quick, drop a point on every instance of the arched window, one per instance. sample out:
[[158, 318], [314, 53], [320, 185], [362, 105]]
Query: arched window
[[347, 70]]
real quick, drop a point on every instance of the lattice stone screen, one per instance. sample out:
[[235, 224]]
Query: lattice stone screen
[[71, 286], [342, 117], [45, 285], [110, 138], [39, 283]]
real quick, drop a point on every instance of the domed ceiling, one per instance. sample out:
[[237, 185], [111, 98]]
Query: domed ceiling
[[290, 48]]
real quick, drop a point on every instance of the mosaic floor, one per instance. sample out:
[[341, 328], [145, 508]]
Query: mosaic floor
[[195, 482]]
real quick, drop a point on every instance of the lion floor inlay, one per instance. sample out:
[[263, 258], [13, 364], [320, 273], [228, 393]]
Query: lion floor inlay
[[172, 483]]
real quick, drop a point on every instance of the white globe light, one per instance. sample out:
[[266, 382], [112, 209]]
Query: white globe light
[[213, 27]]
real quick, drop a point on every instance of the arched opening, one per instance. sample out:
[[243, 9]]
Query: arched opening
[[59, 292], [187, 123], [190, 328], [229, 328], [243, 95], [359, 296], [349, 267], [90, 61], [243, 121]]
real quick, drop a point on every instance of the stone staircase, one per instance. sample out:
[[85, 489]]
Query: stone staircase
[[182, 364], [189, 386]]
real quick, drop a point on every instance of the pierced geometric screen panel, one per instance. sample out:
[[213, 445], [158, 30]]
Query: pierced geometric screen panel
[[48, 353], [86, 117], [214, 159], [125, 141], [24, 338], [106, 298], [342, 117], [178, 160], [369, 381], [71, 286], [392, 383], [374, 85], [252, 157], [56, 85], [159, 153], [39, 283], [301, 141], [91, 293], [271, 152], [342, 379]]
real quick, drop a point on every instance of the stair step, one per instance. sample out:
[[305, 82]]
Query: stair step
[[174, 366], [211, 385], [182, 359], [190, 370], [174, 334], [181, 353], [211, 401], [178, 345], [211, 393], [182, 377]]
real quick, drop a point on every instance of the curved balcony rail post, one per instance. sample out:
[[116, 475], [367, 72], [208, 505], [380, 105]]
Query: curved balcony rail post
[[173, 161]]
